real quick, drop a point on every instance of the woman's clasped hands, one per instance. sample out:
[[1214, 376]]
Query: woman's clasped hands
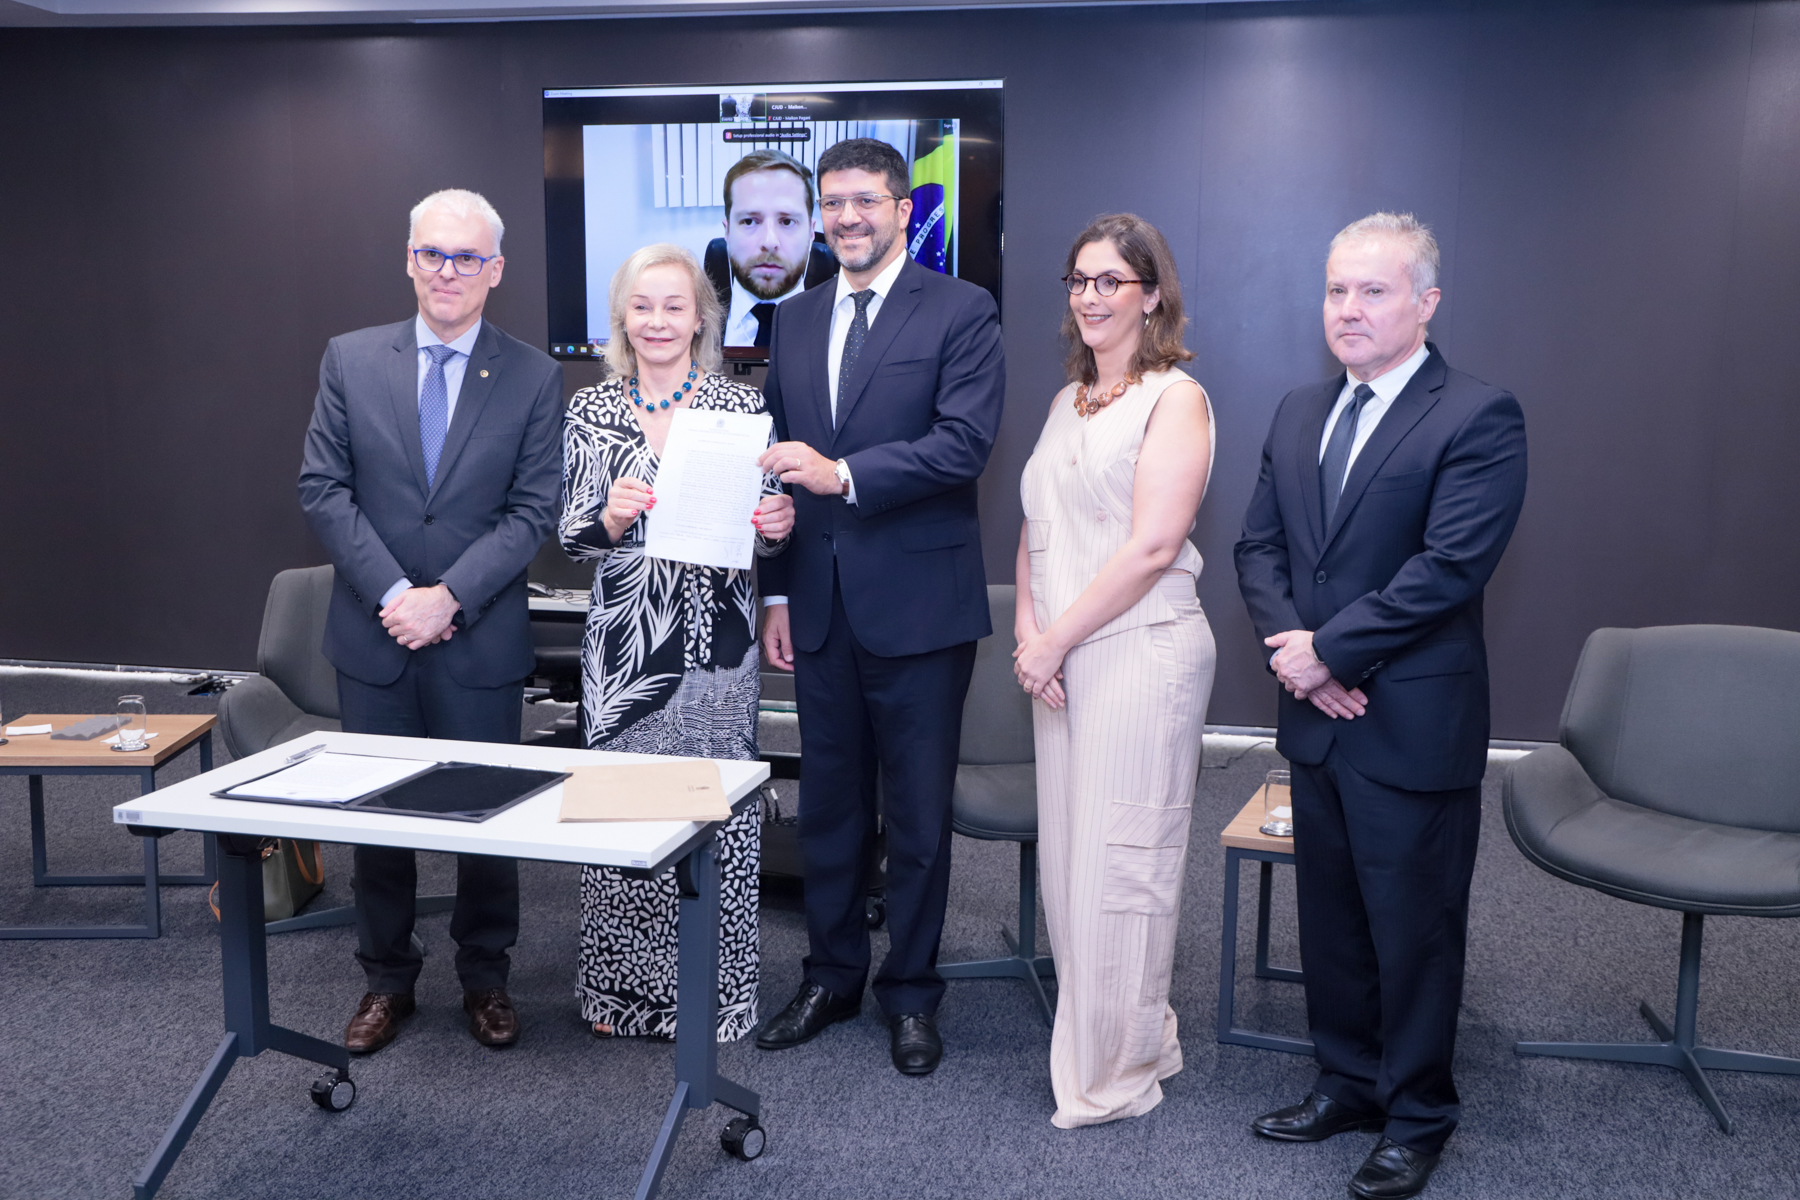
[[1037, 663]]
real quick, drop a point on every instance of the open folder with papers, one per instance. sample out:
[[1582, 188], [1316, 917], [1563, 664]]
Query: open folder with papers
[[676, 789], [454, 791]]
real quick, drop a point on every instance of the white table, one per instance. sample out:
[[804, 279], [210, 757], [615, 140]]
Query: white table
[[529, 830]]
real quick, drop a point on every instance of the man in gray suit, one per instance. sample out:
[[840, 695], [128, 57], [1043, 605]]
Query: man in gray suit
[[431, 475]]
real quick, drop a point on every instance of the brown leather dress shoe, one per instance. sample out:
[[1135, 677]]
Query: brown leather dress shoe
[[491, 1017], [377, 1021]]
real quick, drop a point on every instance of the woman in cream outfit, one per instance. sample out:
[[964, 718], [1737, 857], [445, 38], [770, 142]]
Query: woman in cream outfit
[[1118, 656]]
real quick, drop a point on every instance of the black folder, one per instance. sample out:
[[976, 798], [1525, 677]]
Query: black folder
[[450, 791]]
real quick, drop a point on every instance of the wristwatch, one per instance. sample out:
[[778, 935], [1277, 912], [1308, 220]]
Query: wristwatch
[[843, 475]]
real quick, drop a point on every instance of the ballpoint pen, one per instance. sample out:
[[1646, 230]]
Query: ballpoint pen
[[303, 755]]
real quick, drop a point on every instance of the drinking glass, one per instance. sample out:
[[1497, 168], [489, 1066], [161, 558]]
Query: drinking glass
[[131, 734], [1278, 814]]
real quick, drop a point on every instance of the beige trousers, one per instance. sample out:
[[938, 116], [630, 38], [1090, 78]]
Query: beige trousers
[[1116, 772]]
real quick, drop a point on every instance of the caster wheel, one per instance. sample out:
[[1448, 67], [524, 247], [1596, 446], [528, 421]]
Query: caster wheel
[[333, 1093], [875, 912], [743, 1138]]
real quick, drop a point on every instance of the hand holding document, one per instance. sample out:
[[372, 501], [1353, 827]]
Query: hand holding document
[[707, 486], [679, 789]]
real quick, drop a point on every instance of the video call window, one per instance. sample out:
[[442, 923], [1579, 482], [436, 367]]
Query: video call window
[[625, 167]]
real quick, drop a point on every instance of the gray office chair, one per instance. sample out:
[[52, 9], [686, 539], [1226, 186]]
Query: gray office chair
[[293, 693], [1676, 784], [996, 795]]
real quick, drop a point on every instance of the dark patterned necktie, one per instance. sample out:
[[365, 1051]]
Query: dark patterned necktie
[[853, 344], [434, 410], [1336, 462], [765, 321]]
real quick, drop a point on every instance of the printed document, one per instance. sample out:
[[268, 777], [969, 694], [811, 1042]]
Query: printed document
[[331, 778], [707, 489]]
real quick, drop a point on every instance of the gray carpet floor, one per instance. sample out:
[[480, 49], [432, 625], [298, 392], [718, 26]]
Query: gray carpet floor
[[103, 1039]]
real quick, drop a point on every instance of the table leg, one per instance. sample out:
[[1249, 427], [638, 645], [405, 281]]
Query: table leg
[[1228, 947], [40, 860], [243, 954], [698, 1083], [152, 893], [1263, 969], [1228, 1031], [41, 877]]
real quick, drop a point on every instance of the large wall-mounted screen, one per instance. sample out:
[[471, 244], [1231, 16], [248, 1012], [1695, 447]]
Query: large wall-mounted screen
[[626, 167]]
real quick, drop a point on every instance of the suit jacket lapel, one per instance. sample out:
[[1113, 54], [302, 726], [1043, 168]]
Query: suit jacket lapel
[[1312, 428], [479, 376], [901, 299], [819, 356], [403, 391], [1413, 402]]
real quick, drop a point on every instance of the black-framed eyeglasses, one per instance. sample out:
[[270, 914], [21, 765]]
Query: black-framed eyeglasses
[[465, 263], [867, 202], [1106, 285]]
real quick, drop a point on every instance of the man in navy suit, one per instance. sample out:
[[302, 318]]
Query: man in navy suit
[[432, 470], [1386, 498], [886, 391]]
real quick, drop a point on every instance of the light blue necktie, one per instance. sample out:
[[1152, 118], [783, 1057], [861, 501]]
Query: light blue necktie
[[434, 410]]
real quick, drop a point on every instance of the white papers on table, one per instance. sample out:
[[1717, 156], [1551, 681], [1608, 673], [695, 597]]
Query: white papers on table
[[26, 730], [114, 739], [707, 488], [331, 778]]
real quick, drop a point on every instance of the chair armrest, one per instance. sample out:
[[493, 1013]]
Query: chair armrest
[[253, 713], [1542, 790]]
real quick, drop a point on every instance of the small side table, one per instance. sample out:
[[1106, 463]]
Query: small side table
[[38, 755], [1243, 839]]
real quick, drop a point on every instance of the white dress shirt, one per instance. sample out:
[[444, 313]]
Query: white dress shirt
[[843, 311], [1386, 388], [740, 326], [454, 367]]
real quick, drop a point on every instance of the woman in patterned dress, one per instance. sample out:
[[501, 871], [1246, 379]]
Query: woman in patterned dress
[[669, 658]]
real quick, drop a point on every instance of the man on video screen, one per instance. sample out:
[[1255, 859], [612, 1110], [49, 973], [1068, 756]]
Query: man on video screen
[[768, 253]]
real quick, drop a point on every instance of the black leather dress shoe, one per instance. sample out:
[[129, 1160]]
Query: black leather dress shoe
[[1314, 1119], [1392, 1172], [916, 1046], [805, 1018]]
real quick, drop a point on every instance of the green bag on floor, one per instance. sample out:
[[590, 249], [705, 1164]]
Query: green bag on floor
[[293, 873]]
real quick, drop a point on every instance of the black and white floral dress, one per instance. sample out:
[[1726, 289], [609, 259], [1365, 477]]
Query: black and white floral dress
[[668, 666]]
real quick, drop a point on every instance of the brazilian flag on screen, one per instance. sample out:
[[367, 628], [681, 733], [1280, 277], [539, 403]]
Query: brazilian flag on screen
[[929, 232]]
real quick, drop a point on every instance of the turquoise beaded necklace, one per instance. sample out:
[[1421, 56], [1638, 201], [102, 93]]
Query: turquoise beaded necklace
[[693, 374]]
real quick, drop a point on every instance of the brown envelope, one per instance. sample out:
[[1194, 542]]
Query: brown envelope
[[676, 789]]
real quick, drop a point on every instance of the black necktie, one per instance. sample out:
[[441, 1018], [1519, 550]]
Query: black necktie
[[765, 321], [1336, 462], [853, 344]]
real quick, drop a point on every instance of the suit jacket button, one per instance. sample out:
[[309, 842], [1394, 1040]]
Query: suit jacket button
[[429, 518], [1319, 578]]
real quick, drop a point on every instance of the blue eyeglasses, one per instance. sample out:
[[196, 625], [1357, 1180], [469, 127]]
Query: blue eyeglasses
[[466, 263]]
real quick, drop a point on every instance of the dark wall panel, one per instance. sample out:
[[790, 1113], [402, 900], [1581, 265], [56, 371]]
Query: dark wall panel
[[194, 212]]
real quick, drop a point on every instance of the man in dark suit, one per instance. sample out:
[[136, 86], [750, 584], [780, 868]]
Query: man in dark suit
[[1386, 498], [886, 390], [431, 475]]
